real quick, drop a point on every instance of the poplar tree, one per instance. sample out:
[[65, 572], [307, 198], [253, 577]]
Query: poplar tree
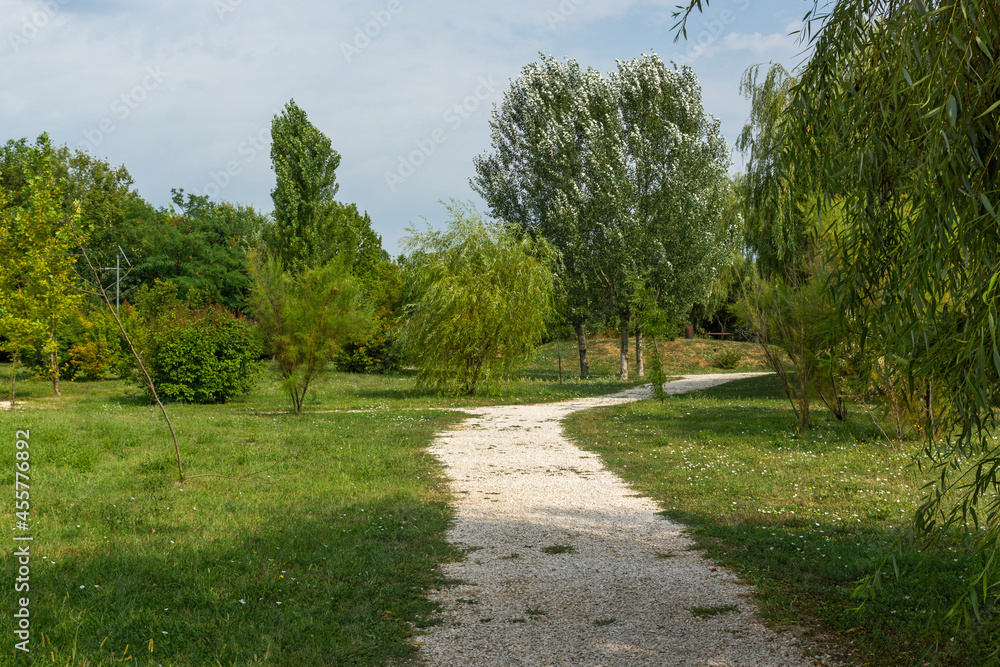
[[624, 176], [305, 166], [533, 178]]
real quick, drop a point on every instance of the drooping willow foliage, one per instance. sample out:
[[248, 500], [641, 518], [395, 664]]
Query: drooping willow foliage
[[482, 294], [897, 116]]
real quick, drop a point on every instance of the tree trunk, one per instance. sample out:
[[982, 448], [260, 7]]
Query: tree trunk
[[581, 341], [640, 367], [13, 380], [623, 370], [559, 352], [54, 360]]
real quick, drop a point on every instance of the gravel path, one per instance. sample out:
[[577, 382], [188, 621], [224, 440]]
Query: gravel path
[[568, 566]]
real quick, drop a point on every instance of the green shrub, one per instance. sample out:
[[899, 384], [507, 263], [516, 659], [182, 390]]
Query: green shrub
[[727, 359], [201, 355], [375, 354], [91, 345]]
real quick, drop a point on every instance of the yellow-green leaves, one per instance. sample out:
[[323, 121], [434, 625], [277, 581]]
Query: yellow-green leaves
[[36, 274], [481, 296]]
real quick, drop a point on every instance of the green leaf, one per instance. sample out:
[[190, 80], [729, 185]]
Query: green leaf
[[990, 110]]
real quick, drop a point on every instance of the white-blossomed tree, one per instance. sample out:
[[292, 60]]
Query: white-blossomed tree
[[624, 175]]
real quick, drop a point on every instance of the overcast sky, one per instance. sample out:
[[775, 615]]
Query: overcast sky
[[183, 92]]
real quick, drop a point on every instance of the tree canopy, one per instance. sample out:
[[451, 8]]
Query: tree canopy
[[37, 274], [304, 317], [534, 177], [625, 176], [482, 295]]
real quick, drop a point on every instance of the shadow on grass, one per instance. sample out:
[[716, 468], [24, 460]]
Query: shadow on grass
[[310, 587], [806, 574]]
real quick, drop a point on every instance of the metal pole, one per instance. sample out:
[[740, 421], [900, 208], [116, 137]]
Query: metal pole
[[117, 280]]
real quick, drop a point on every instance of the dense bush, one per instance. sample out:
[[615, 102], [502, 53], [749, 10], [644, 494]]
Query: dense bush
[[201, 355], [728, 359], [374, 354]]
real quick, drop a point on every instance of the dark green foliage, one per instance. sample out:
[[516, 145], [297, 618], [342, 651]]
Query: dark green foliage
[[305, 165], [310, 227], [352, 238], [201, 355], [376, 353], [200, 245]]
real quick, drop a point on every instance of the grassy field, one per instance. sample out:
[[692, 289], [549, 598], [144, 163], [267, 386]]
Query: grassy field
[[802, 518], [311, 546], [302, 540]]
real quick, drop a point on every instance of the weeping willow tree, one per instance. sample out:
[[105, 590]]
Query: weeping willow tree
[[481, 295], [904, 96]]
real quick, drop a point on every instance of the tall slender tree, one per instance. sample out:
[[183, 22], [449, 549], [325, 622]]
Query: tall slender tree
[[305, 165], [310, 226]]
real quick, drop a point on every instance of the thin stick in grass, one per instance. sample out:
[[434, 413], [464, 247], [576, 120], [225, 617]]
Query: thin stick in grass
[[138, 359]]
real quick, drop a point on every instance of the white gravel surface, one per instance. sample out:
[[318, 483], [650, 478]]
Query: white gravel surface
[[621, 591]]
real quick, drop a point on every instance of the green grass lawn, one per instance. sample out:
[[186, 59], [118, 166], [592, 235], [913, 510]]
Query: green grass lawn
[[802, 518], [311, 546]]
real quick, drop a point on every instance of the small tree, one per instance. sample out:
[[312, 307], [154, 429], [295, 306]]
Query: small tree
[[482, 298], [799, 318], [304, 318], [35, 242]]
